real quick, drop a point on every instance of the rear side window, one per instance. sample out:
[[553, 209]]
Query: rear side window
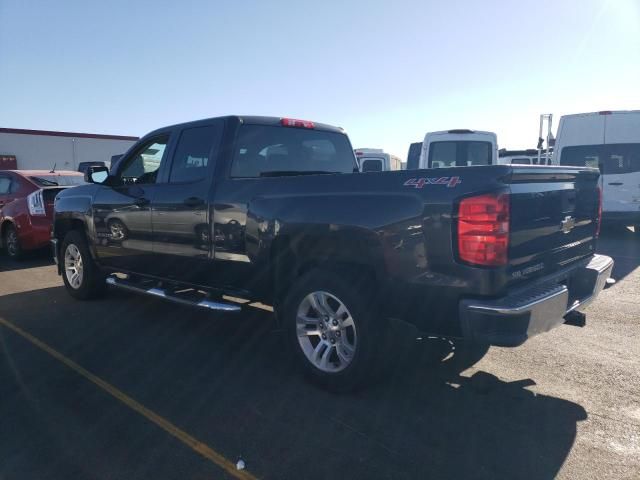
[[461, 153], [193, 154], [618, 158], [371, 165], [263, 150]]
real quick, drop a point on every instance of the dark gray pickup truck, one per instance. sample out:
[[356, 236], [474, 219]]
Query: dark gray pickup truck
[[271, 210]]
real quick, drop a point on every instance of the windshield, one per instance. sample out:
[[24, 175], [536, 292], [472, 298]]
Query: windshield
[[263, 150], [58, 180], [459, 153]]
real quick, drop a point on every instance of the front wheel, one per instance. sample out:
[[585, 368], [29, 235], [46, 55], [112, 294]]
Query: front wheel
[[332, 327], [82, 277]]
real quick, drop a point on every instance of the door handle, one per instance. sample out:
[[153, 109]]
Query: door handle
[[616, 183], [141, 202], [193, 202]]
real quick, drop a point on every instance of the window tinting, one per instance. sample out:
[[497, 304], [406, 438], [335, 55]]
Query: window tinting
[[144, 165], [612, 159], [192, 157], [371, 165], [461, 153], [268, 151], [5, 184]]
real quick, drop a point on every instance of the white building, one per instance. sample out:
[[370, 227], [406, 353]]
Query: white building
[[41, 149]]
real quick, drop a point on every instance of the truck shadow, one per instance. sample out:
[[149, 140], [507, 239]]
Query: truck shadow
[[623, 246], [36, 258], [228, 381]]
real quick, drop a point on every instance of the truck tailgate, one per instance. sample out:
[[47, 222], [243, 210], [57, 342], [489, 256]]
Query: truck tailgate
[[554, 219]]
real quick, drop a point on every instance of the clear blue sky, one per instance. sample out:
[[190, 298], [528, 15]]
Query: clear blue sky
[[385, 71]]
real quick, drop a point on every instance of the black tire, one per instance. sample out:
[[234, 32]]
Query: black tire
[[91, 283], [11, 243], [356, 294]]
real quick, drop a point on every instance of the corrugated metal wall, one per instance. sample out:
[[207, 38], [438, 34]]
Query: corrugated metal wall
[[42, 151]]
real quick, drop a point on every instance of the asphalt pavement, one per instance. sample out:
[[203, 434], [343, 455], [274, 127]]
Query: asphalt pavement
[[132, 387]]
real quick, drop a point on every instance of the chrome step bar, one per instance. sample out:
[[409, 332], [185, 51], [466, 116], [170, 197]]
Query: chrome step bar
[[158, 292]]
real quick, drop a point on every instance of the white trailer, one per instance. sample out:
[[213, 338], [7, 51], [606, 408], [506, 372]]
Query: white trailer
[[41, 149]]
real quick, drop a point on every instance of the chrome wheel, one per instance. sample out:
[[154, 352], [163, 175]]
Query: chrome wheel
[[73, 267], [12, 243], [326, 331]]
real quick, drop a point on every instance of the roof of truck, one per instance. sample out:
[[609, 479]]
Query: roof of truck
[[250, 120]]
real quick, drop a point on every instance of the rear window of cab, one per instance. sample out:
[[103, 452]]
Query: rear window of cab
[[263, 150]]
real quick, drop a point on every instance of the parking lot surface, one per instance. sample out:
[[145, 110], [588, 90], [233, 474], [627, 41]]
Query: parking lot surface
[[132, 387]]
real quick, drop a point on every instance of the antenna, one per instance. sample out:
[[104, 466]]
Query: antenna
[[53, 170]]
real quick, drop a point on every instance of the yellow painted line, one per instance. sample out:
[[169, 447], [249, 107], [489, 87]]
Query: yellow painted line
[[196, 445]]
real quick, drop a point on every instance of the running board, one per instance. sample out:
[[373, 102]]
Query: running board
[[158, 292]]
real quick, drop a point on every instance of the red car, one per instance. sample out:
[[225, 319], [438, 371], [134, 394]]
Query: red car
[[26, 207]]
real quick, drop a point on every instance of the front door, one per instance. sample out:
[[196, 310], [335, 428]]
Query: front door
[[122, 212], [180, 211]]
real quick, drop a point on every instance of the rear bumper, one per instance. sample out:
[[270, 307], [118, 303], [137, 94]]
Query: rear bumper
[[509, 321]]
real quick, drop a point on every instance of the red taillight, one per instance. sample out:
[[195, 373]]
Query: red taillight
[[293, 122], [483, 230], [599, 212]]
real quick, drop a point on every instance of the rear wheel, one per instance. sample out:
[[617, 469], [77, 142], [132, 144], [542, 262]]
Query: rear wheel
[[82, 277], [12, 243], [332, 326]]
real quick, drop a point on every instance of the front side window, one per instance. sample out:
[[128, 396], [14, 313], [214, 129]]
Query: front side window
[[143, 166], [192, 157], [263, 150], [460, 153]]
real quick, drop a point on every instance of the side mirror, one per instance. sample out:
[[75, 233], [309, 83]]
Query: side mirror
[[97, 174]]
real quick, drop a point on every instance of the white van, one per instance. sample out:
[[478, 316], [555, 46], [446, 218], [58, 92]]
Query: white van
[[459, 148], [375, 160], [521, 157], [611, 141]]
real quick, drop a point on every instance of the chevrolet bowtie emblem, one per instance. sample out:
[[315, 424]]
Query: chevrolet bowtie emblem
[[567, 224]]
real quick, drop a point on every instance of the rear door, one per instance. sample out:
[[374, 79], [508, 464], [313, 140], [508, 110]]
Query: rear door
[[180, 213], [621, 168]]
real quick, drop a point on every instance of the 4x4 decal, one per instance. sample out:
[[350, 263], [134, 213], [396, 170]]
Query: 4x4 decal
[[450, 182]]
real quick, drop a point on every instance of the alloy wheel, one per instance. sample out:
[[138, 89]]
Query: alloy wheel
[[326, 331]]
